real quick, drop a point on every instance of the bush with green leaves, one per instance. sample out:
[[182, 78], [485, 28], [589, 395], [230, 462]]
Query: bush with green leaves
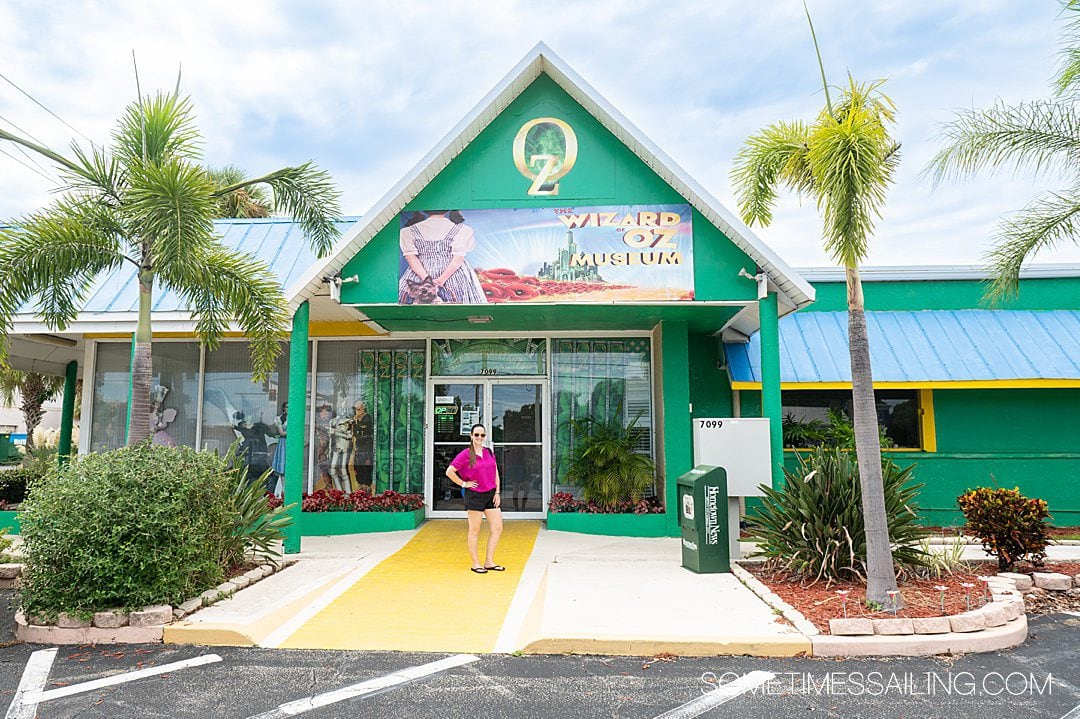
[[1010, 526], [604, 462], [257, 527], [15, 483], [812, 527], [127, 528]]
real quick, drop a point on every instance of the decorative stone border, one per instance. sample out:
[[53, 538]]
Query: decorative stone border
[[999, 624], [143, 626]]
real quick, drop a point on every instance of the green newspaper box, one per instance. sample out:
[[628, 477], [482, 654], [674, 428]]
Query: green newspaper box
[[703, 518]]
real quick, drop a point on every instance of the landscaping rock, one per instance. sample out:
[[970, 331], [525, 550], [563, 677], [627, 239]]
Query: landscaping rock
[[1023, 581], [931, 625], [178, 614], [210, 596], [240, 581], [254, 574], [151, 616], [1076, 580], [226, 588], [1012, 609], [893, 626], [70, 621], [10, 571], [191, 605], [851, 626], [1053, 581], [994, 614], [967, 622], [112, 619]]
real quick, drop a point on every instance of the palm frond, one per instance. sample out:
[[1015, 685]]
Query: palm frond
[[772, 157], [1067, 78], [157, 129], [246, 201], [231, 286], [1040, 136], [1047, 221], [53, 257], [309, 196], [172, 205]]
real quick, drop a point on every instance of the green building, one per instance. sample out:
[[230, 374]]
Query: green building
[[458, 298]]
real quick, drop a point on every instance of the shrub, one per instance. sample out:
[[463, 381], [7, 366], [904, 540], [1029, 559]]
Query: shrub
[[257, 524], [15, 483], [1010, 526], [813, 527], [604, 462], [5, 544], [134, 526]]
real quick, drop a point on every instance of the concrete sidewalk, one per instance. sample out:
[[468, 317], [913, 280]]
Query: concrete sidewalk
[[562, 592]]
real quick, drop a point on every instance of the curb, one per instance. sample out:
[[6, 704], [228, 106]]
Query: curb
[[651, 647]]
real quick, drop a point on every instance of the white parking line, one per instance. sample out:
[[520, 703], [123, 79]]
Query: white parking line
[[127, 677], [1074, 714], [719, 695], [24, 705], [404, 676]]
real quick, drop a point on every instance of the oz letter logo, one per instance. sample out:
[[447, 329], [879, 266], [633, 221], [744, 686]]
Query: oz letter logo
[[545, 150]]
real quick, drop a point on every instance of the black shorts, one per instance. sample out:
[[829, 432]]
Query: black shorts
[[479, 501]]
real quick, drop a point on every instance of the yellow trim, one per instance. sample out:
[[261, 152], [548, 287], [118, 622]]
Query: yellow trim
[[930, 384], [927, 422], [340, 329]]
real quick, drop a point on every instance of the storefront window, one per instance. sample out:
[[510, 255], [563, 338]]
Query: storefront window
[[820, 417], [606, 379], [174, 392], [369, 417], [112, 377], [491, 357], [255, 414]]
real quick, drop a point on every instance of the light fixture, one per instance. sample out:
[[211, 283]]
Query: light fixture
[[479, 319], [762, 282]]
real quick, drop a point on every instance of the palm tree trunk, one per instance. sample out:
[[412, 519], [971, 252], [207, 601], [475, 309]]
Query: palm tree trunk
[[142, 366], [33, 392], [880, 575]]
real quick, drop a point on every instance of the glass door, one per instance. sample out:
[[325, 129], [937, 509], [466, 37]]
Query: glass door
[[512, 410], [456, 407]]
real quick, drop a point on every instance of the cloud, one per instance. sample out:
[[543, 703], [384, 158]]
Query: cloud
[[365, 89]]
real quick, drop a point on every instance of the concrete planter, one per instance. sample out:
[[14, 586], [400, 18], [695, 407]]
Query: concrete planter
[[10, 519], [334, 523], [613, 525]]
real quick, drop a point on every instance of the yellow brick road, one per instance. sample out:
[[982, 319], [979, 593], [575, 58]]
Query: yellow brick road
[[424, 598]]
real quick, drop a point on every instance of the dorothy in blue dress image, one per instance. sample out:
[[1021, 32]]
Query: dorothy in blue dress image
[[435, 271]]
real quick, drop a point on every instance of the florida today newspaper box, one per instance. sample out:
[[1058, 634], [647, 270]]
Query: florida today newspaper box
[[703, 517]]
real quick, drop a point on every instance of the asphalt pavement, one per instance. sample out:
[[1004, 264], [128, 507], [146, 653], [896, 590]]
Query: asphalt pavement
[[1039, 679]]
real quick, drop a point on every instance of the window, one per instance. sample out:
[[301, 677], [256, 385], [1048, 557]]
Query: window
[[815, 417], [608, 379]]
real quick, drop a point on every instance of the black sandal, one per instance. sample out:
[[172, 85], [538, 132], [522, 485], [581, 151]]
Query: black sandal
[[480, 570], [495, 568]]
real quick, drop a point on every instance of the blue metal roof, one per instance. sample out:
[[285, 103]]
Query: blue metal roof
[[279, 242], [925, 346]]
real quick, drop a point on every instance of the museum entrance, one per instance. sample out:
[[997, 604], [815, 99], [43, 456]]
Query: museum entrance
[[513, 412]]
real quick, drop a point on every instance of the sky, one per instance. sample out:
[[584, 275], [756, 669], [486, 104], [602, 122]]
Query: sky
[[365, 89]]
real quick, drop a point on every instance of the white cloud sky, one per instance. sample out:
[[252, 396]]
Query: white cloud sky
[[365, 89]]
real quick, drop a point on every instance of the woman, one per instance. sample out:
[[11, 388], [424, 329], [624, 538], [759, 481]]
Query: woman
[[474, 471], [434, 245]]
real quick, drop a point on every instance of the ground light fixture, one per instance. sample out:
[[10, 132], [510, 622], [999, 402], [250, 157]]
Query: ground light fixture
[[941, 590], [968, 586], [843, 598]]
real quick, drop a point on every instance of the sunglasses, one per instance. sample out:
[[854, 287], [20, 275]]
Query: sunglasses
[[478, 434]]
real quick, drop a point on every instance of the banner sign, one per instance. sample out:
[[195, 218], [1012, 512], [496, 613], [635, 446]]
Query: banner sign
[[623, 253]]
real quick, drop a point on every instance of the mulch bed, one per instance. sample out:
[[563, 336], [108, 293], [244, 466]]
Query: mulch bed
[[820, 603]]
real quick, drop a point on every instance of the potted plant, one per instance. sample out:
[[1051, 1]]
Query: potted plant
[[613, 478]]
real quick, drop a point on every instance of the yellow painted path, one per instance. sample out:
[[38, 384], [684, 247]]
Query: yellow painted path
[[424, 598]]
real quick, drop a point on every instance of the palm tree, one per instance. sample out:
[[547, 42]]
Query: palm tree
[[845, 160], [249, 201], [34, 390], [1040, 136], [147, 201]]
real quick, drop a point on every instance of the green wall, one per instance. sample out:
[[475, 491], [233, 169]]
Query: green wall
[[1035, 294], [606, 173], [1026, 438]]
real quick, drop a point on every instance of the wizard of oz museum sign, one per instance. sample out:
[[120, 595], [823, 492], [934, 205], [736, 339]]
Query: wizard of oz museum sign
[[624, 253]]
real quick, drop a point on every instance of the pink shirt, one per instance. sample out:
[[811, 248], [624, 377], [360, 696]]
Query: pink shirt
[[483, 472]]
